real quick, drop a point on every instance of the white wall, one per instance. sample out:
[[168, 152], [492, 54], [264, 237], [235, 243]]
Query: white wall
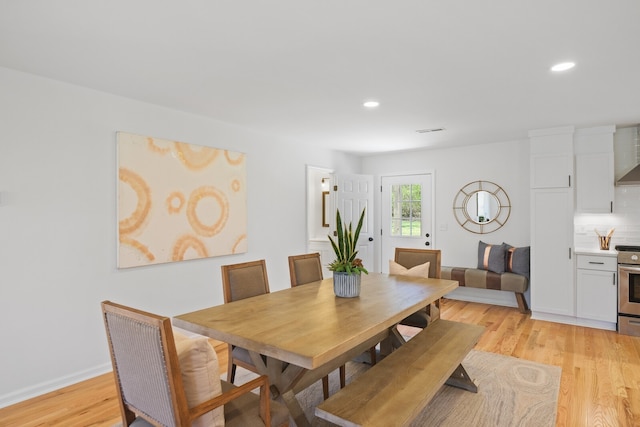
[[506, 164], [58, 224]]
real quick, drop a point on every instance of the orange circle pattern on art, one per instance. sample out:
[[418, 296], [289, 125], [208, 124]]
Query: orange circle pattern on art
[[237, 243], [125, 240], [235, 185], [175, 202], [235, 161], [143, 207], [151, 144], [186, 242], [200, 228], [195, 159]]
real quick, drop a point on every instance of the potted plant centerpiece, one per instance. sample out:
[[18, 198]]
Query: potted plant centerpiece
[[347, 269]]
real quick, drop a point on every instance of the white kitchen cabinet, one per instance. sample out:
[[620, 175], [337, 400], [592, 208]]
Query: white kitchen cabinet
[[552, 284], [595, 174], [552, 200], [596, 289], [551, 158], [551, 170]]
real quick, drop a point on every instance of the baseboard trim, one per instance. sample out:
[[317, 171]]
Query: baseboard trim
[[571, 320], [53, 385]]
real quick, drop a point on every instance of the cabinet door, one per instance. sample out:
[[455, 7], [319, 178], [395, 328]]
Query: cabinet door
[[594, 183], [552, 285], [597, 295], [551, 170]]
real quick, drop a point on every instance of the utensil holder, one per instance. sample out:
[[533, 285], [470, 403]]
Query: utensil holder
[[604, 242]]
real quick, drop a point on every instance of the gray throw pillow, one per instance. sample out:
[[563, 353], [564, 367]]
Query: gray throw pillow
[[518, 260], [492, 257]]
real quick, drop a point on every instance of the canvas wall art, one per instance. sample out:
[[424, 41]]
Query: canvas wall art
[[178, 201]]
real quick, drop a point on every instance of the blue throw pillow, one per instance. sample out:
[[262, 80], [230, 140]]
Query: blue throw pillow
[[492, 257]]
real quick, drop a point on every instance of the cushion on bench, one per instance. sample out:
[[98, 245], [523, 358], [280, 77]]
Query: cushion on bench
[[484, 279]]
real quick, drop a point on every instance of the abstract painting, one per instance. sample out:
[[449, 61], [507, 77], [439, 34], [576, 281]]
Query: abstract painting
[[178, 201]]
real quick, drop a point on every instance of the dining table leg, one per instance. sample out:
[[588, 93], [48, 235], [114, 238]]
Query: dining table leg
[[393, 341], [285, 379], [288, 398]]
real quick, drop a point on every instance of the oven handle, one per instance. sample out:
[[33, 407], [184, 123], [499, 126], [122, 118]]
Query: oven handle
[[629, 268]]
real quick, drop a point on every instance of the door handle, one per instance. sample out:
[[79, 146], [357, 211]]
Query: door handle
[[371, 239], [427, 243]]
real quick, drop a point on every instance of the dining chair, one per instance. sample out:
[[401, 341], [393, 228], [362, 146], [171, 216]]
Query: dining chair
[[162, 379], [240, 281], [305, 269], [410, 258]]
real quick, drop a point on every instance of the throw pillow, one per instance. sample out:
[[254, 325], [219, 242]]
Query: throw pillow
[[421, 270], [491, 257], [518, 260], [200, 376]]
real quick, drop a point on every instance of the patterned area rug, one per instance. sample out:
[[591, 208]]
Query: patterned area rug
[[511, 392]]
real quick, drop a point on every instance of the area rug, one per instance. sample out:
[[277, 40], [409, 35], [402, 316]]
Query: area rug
[[511, 392]]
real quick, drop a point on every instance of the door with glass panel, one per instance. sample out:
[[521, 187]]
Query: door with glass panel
[[407, 214]]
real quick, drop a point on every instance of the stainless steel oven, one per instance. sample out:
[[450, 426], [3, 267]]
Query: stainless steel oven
[[629, 290]]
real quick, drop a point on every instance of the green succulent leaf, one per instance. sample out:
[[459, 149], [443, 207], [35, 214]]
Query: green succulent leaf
[[345, 247]]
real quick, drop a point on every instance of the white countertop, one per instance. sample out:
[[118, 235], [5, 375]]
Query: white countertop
[[595, 251]]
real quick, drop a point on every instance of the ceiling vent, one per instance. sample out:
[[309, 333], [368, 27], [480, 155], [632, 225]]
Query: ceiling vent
[[430, 130]]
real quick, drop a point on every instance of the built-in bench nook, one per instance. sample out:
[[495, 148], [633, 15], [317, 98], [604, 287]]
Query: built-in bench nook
[[484, 279], [500, 267]]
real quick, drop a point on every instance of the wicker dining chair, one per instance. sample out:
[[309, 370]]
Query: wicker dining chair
[[240, 281], [157, 384], [409, 258]]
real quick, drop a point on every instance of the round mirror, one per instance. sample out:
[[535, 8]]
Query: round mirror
[[481, 207]]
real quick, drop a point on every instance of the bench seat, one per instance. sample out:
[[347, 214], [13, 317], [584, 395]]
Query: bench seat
[[396, 389], [483, 279]]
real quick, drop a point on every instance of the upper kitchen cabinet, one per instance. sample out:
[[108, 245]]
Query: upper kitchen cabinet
[[552, 157], [594, 169]]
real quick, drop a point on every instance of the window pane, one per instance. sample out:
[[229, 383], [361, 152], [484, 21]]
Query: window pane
[[406, 210]]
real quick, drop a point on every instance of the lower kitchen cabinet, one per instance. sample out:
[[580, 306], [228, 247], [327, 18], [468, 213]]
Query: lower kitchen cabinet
[[596, 288]]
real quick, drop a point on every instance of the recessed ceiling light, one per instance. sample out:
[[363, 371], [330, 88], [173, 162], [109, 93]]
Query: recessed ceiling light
[[371, 104], [563, 66]]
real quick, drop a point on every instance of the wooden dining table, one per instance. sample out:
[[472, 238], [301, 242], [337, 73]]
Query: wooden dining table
[[298, 335]]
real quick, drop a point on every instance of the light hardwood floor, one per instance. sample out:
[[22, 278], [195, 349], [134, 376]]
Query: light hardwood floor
[[600, 383]]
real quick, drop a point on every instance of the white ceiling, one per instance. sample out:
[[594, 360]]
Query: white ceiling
[[300, 69]]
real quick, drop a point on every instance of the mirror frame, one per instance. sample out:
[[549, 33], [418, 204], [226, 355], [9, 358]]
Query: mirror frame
[[325, 209], [463, 217]]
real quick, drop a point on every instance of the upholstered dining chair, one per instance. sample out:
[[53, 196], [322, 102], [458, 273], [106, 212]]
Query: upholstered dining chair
[[240, 281], [303, 269], [173, 380], [307, 268], [411, 258]]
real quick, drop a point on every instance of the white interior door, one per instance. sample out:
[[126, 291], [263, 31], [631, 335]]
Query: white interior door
[[352, 194], [407, 214]]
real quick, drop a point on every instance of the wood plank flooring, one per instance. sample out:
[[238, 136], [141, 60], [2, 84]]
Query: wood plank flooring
[[600, 383]]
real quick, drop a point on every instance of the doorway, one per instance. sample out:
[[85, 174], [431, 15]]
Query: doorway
[[328, 191], [406, 214]]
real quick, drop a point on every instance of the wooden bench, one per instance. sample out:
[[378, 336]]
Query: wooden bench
[[396, 389]]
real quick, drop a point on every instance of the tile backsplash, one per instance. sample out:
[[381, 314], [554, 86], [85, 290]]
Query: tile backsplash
[[625, 220]]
